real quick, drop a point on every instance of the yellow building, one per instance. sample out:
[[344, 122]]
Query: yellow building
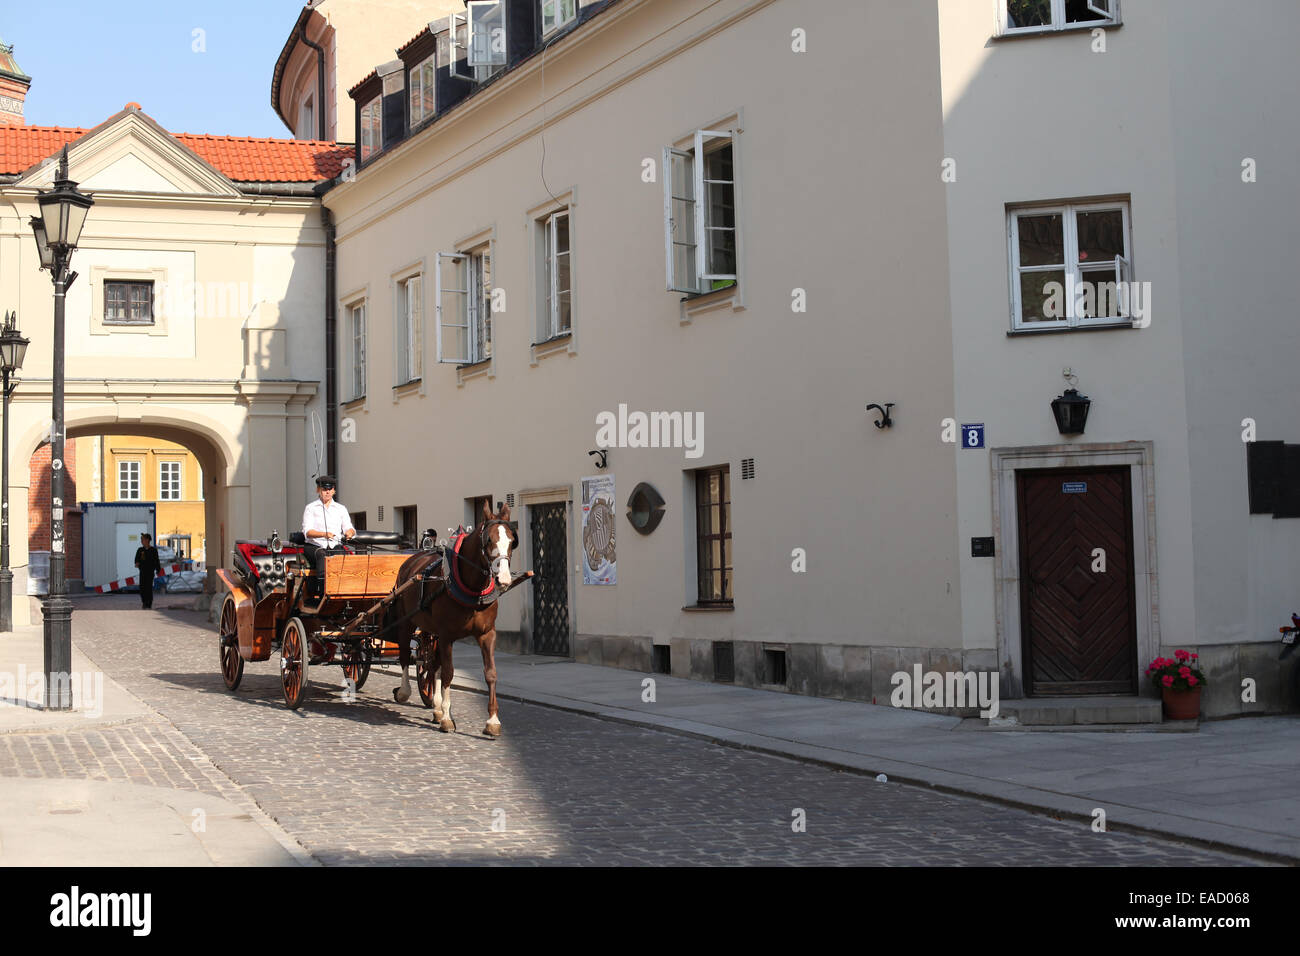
[[138, 468]]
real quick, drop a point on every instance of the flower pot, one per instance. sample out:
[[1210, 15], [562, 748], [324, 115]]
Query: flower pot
[[1181, 704]]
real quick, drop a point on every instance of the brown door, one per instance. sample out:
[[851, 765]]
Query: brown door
[[1077, 621]]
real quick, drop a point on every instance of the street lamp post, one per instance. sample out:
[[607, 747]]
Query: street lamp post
[[57, 230], [13, 347]]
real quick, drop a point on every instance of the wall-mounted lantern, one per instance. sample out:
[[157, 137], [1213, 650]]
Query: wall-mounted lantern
[[1071, 409]]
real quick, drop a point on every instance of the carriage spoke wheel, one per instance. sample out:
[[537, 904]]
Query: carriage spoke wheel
[[424, 670], [293, 662], [357, 668], [232, 665]]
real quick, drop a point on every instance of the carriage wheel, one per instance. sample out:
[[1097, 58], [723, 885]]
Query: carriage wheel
[[232, 665], [425, 668], [358, 667], [293, 662]]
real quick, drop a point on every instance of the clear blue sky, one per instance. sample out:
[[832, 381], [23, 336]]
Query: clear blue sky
[[89, 59]]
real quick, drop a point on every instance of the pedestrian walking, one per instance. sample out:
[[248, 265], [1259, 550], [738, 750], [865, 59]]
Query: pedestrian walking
[[146, 559]]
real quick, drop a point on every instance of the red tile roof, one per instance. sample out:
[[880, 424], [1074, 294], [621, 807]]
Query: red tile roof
[[241, 158], [359, 83]]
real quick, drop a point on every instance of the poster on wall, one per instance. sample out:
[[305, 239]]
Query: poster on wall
[[599, 559]]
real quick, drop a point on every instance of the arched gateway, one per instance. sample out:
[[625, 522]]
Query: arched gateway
[[198, 316]]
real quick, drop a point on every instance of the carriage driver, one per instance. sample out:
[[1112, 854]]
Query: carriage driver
[[325, 525]]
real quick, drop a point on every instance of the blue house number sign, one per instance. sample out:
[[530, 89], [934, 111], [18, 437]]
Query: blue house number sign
[[972, 436]]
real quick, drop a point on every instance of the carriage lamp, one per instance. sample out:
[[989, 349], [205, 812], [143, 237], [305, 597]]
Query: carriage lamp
[[275, 544], [13, 348], [57, 231], [1071, 412]]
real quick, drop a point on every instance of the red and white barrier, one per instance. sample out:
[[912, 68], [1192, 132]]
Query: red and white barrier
[[133, 581]]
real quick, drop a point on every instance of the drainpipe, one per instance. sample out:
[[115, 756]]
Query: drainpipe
[[320, 86], [331, 372]]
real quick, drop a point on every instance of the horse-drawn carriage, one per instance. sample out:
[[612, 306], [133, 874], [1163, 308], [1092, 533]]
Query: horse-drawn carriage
[[377, 601]]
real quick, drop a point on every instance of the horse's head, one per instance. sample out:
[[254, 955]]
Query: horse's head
[[499, 542]]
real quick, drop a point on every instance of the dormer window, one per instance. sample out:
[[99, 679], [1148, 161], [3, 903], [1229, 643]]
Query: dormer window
[[371, 133], [557, 14], [478, 40], [422, 91], [307, 120]]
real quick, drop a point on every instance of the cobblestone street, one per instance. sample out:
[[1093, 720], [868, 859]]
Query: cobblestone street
[[372, 781]]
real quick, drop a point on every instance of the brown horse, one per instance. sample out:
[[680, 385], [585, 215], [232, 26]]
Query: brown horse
[[480, 571]]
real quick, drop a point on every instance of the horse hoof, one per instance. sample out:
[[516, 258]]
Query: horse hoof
[[446, 725], [492, 730], [437, 715], [399, 696]]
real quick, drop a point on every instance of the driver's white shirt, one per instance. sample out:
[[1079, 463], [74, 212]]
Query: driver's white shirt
[[334, 519]]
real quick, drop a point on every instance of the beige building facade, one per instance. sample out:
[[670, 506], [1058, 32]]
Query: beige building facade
[[197, 317], [514, 276]]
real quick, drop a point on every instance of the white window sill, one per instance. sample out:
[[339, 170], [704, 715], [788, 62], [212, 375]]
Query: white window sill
[[1093, 327], [719, 300], [556, 344], [480, 369], [1089, 26]]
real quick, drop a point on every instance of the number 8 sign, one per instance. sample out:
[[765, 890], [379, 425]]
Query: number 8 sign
[[972, 436]]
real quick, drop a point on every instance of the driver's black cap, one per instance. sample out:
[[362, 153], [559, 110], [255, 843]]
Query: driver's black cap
[[326, 481]]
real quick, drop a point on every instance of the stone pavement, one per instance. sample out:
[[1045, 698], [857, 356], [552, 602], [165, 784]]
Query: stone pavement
[[112, 783], [1234, 783], [368, 781]]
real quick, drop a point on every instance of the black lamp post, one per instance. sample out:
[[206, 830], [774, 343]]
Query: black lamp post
[[1071, 412], [57, 230], [13, 348]]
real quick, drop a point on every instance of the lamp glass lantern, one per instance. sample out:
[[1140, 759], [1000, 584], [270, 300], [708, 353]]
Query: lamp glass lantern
[[1071, 412], [42, 242], [13, 347], [63, 211]]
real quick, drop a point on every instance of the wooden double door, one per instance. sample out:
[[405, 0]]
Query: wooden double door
[[1078, 610]]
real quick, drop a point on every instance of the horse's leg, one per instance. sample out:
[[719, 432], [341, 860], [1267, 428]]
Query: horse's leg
[[437, 684], [404, 633], [445, 722], [487, 644]]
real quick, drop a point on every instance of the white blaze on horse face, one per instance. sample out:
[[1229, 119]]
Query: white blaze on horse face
[[503, 556]]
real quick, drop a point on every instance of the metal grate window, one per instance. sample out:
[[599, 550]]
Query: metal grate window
[[746, 469], [724, 662]]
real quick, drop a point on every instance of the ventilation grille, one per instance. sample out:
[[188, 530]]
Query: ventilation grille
[[510, 501], [746, 469], [724, 662], [663, 659], [381, 512]]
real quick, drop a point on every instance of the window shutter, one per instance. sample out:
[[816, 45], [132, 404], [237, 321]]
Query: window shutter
[[458, 61], [679, 234], [451, 322], [1263, 475]]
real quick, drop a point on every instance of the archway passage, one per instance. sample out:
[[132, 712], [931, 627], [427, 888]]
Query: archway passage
[[163, 479]]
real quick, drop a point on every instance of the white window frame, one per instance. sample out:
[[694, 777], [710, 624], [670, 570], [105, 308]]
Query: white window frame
[[1072, 268], [558, 10], [551, 274], [472, 314], [372, 127], [1107, 8], [422, 80], [704, 276], [479, 66], [356, 350], [408, 330], [162, 480], [139, 475]]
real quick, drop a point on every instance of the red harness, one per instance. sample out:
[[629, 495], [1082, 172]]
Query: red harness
[[459, 592]]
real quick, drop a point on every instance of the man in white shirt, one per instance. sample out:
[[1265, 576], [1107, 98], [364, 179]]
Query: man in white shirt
[[325, 524]]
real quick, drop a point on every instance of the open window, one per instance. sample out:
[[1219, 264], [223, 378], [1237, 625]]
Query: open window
[[700, 213], [478, 40], [408, 329], [464, 306], [557, 14], [1041, 16]]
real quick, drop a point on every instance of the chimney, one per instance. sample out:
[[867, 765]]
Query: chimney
[[14, 84]]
